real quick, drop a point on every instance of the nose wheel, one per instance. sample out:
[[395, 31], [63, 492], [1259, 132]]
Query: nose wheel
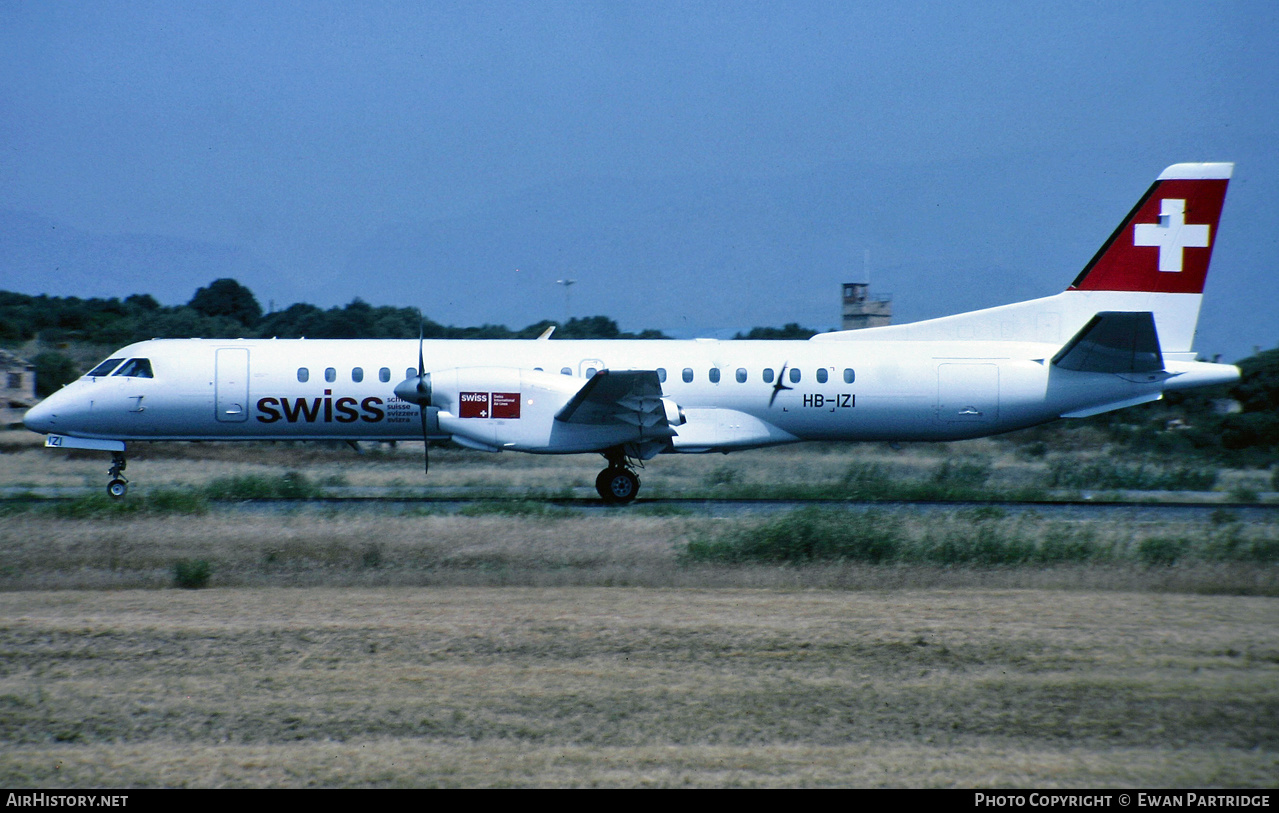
[[119, 484]]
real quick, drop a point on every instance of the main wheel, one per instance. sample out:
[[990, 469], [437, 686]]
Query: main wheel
[[617, 485], [117, 488]]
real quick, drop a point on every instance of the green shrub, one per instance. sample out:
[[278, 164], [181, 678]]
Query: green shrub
[[1061, 543], [191, 574], [175, 501], [720, 476], [805, 535], [1244, 494], [866, 481], [980, 543], [159, 501], [987, 536], [1065, 472], [972, 472], [1033, 451], [290, 486], [1160, 550]]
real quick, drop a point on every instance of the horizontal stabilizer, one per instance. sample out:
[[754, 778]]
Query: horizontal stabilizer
[[1114, 342]]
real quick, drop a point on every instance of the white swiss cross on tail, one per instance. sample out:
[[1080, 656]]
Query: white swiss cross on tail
[[1171, 234], [1178, 216]]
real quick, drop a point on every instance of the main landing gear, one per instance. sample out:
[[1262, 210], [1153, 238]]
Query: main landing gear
[[618, 484], [119, 485]]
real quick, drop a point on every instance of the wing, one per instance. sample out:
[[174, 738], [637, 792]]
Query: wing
[[610, 397]]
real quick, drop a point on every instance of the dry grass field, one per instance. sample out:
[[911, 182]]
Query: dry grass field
[[522, 645], [635, 686], [1004, 468]]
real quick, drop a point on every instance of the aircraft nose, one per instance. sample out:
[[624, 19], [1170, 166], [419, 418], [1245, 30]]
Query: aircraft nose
[[41, 418]]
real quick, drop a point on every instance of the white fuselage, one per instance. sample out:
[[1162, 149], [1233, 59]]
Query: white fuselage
[[208, 389]]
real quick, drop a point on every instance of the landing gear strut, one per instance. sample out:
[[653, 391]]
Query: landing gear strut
[[119, 485], [618, 484]]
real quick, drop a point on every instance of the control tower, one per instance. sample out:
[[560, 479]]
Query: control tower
[[863, 310]]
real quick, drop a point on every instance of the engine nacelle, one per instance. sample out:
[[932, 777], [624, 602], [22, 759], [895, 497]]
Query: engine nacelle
[[723, 430], [511, 408], [674, 413]]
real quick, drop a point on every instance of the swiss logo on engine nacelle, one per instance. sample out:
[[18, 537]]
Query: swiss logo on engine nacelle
[[505, 404], [489, 405]]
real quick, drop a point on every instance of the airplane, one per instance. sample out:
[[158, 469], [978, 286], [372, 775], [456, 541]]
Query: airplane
[[1118, 336]]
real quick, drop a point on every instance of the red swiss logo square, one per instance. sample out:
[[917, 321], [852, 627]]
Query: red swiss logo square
[[506, 404], [473, 405]]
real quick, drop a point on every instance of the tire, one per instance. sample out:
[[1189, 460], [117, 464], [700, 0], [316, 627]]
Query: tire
[[117, 488], [617, 486]]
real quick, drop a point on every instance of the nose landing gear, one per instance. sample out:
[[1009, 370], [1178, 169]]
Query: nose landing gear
[[119, 485]]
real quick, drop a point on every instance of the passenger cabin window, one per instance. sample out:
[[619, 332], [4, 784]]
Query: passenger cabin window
[[135, 368], [566, 371], [794, 375], [105, 367], [330, 374], [409, 372], [714, 375], [849, 375], [821, 375], [688, 375], [741, 375], [590, 372], [357, 374], [768, 375], [304, 374], [661, 374], [384, 374]]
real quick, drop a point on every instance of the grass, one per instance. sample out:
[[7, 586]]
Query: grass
[[987, 469], [519, 644], [1066, 472], [634, 687], [536, 544], [100, 506], [292, 485], [981, 537]]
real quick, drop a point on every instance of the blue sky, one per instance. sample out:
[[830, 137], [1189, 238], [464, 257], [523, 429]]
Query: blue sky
[[382, 150]]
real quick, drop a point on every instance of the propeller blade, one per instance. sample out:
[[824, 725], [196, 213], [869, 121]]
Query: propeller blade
[[779, 384], [426, 443], [421, 365], [417, 390]]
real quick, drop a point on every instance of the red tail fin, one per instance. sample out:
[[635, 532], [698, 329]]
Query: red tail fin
[[1166, 241]]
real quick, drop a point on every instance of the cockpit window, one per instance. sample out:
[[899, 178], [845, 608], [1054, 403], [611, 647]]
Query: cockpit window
[[105, 367], [135, 368]]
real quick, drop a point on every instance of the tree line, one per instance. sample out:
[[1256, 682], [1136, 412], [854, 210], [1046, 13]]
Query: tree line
[[227, 309]]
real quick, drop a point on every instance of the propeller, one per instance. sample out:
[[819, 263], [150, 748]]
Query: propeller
[[417, 390], [779, 385]]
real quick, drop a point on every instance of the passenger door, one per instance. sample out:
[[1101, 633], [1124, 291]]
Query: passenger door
[[232, 387]]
